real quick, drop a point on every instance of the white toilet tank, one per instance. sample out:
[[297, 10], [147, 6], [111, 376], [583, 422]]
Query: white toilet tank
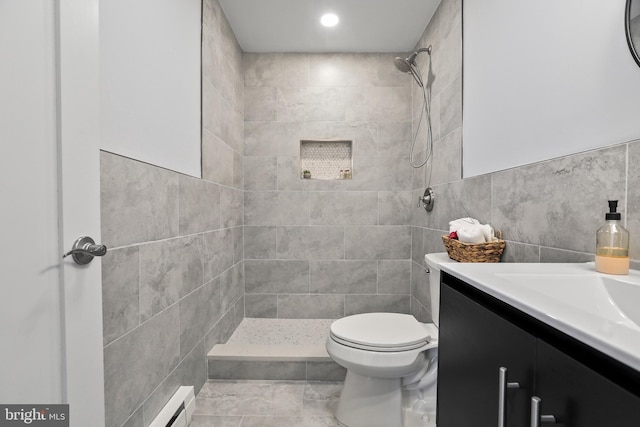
[[433, 263]]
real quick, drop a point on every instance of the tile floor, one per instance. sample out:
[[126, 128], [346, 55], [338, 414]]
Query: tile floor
[[267, 404]]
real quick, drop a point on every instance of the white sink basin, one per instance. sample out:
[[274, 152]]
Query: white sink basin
[[600, 310], [615, 300]]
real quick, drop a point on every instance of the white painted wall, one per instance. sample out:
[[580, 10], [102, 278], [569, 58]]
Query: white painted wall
[[150, 81], [544, 79]]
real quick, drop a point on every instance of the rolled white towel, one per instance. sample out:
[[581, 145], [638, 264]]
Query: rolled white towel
[[489, 234], [471, 233], [458, 223]]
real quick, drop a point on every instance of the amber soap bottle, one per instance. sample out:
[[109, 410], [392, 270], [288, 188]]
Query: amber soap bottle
[[612, 244]]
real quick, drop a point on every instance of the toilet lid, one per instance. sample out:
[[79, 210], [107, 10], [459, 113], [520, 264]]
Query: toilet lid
[[380, 331]]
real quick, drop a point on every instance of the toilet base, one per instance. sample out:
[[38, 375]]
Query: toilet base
[[370, 402]]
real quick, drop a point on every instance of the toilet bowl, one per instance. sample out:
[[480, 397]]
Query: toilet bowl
[[391, 361]]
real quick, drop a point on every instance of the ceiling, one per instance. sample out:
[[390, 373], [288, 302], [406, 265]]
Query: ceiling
[[294, 25]]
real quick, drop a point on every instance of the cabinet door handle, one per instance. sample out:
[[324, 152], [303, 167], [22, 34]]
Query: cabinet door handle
[[536, 418], [503, 386]]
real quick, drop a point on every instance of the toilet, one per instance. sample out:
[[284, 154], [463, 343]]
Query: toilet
[[391, 361]]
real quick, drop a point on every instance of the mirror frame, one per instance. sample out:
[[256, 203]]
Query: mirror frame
[[627, 26]]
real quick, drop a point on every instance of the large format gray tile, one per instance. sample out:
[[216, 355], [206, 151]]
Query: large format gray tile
[[190, 372], [274, 421], [356, 304], [541, 203], [446, 163], [260, 173], [232, 286], [231, 126], [120, 292], [138, 202], [560, 255], [394, 139], [215, 421], [344, 208], [276, 208], [633, 199], [520, 252], [343, 277], [137, 363], [221, 331], [355, 69], [394, 207], [310, 242], [211, 108], [321, 399], [378, 242], [310, 306], [199, 205], [276, 276], [470, 197], [257, 398], [451, 107], [136, 420], [421, 285], [260, 103], [394, 277], [378, 104], [256, 370], [276, 69], [169, 269], [311, 104], [261, 305], [380, 174], [199, 311], [217, 159], [217, 252], [231, 207], [259, 242]]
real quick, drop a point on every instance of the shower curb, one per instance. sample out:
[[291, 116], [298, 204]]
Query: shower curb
[[272, 362]]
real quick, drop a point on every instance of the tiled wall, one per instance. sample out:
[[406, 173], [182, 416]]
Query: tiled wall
[[183, 251], [173, 278], [548, 211], [317, 248]]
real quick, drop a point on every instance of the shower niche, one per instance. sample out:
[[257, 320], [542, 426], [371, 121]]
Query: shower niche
[[326, 159]]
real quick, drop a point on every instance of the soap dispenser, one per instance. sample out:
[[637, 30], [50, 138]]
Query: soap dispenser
[[612, 244]]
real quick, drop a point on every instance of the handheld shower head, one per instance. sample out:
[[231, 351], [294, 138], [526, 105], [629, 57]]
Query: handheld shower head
[[402, 64], [408, 64]]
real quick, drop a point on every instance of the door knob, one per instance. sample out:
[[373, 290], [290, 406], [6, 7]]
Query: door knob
[[84, 249]]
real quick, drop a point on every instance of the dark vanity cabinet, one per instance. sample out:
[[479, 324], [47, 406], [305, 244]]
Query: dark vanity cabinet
[[495, 362]]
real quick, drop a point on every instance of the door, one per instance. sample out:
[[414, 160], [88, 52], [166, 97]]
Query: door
[[50, 309]]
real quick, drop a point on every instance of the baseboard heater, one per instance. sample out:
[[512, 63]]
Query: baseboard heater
[[178, 410]]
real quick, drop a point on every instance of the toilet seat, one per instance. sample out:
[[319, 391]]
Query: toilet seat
[[382, 332]]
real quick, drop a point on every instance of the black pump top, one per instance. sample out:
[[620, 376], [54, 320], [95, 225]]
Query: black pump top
[[613, 215]]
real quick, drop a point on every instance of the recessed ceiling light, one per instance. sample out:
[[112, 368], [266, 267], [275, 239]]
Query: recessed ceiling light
[[329, 20]]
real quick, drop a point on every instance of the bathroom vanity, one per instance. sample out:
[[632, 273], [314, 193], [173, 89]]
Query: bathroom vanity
[[527, 344]]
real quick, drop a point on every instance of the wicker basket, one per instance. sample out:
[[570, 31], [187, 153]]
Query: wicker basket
[[477, 252]]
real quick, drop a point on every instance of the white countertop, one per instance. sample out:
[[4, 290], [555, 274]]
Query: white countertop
[[600, 310]]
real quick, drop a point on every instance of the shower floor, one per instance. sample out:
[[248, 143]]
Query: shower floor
[[282, 331], [276, 340]]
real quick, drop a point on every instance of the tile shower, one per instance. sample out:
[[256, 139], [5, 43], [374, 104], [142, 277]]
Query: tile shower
[[190, 258]]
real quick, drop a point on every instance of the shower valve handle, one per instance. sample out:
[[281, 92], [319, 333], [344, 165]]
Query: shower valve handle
[[427, 199]]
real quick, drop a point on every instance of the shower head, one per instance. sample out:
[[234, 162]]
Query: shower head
[[408, 64], [402, 64]]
